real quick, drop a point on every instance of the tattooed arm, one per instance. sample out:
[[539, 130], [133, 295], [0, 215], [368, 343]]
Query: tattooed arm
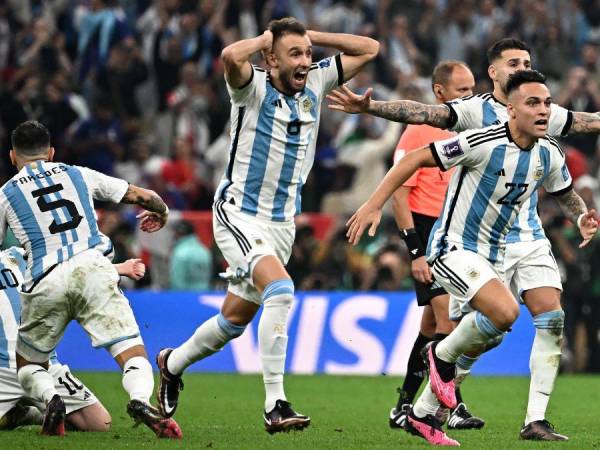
[[406, 111], [585, 122], [574, 208], [157, 212]]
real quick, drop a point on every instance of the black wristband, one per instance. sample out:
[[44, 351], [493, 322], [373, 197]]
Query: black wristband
[[411, 238]]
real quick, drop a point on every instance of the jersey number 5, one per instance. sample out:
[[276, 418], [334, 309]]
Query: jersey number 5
[[45, 206]]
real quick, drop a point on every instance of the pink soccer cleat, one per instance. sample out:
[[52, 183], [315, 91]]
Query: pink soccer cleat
[[430, 429], [163, 427], [443, 390]]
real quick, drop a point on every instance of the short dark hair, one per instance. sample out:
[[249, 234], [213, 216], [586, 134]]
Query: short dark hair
[[30, 138], [495, 51], [443, 71], [286, 25], [523, 76]]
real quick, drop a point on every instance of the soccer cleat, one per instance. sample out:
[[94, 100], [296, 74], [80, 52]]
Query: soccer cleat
[[443, 390], [541, 430], [163, 427], [430, 429], [284, 418], [398, 417], [169, 385], [54, 417], [462, 419]]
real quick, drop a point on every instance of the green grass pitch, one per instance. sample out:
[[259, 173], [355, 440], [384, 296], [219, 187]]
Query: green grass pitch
[[223, 411]]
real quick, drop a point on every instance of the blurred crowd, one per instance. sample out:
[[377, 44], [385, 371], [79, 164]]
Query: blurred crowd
[[135, 89]]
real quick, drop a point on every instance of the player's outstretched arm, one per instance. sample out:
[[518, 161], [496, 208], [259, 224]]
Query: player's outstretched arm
[[356, 50], [369, 214], [236, 56], [157, 212], [132, 268], [574, 208], [406, 111], [585, 122]]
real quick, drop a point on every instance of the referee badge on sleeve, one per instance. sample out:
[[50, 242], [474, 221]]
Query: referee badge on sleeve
[[452, 149]]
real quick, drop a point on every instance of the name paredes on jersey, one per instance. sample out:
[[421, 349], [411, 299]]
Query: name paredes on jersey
[[41, 175]]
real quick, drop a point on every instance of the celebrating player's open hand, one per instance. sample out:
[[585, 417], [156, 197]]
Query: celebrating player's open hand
[[588, 226], [365, 217], [343, 99], [421, 271], [151, 222], [132, 268]]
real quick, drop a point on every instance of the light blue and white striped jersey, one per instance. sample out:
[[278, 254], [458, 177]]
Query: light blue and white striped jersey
[[12, 268], [50, 208], [273, 139], [494, 179], [483, 110]]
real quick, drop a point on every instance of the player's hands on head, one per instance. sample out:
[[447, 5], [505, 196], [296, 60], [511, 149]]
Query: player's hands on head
[[151, 222], [421, 271], [343, 99], [365, 217], [588, 226], [268, 44], [133, 268]]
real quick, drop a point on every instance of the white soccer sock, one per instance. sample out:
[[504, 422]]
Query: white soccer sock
[[138, 379], [278, 297], [473, 329], [37, 382], [208, 338], [463, 368], [427, 403], [544, 362]]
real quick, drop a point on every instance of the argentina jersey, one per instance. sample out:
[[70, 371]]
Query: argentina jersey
[[494, 179], [50, 209], [273, 140], [483, 110], [12, 267]]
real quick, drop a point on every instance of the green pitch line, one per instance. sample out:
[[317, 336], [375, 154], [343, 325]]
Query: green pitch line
[[224, 412]]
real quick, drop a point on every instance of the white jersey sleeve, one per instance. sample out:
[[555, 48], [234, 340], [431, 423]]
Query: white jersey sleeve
[[466, 113], [463, 149], [560, 120], [328, 72], [558, 181], [104, 187], [244, 94]]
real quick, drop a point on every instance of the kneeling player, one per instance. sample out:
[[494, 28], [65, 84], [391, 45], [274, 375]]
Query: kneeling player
[[84, 410]]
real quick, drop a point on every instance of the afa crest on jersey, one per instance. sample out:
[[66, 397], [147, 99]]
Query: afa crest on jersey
[[306, 104]]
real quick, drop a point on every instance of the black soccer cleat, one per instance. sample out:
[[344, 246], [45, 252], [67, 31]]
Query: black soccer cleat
[[462, 419], [163, 427], [169, 385], [397, 417], [284, 418], [541, 430], [54, 417]]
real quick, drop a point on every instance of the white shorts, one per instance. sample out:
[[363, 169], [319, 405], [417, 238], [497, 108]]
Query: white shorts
[[73, 392], [84, 288], [243, 240], [530, 265], [462, 273]]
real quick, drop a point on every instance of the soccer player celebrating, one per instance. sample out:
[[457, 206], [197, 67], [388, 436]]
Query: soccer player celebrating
[[500, 167], [531, 270], [417, 204], [49, 207], [274, 125], [84, 412]]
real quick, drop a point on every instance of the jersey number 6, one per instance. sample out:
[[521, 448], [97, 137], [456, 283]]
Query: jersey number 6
[[45, 206]]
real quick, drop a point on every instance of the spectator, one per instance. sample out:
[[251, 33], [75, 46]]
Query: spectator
[[191, 261]]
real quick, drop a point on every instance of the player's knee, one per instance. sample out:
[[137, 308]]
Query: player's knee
[[278, 293], [506, 315], [551, 320], [230, 329]]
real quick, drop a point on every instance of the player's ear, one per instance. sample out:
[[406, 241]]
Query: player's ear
[[51, 153], [270, 58], [13, 157], [492, 72], [511, 110], [438, 91]]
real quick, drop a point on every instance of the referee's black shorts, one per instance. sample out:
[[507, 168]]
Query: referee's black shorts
[[425, 292]]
